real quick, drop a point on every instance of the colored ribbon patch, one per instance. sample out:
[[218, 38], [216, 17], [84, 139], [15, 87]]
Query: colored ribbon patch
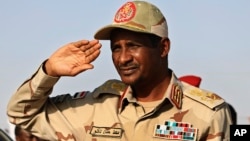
[[175, 131]]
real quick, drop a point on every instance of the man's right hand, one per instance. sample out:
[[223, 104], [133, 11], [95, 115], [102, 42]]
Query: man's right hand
[[73, 58]]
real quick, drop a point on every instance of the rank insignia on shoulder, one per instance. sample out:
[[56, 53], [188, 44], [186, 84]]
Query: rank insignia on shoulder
[[79, 95], [175, 131], [176, 95], [205, 97], [106, 132]]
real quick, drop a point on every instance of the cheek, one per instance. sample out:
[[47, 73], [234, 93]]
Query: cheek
[[142, 57], [115, 60], [139, 53]]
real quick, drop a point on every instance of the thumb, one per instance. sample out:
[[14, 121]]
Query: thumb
[[81, 68]]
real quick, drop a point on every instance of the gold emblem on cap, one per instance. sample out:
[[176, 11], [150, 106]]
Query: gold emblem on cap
[[125, 13]]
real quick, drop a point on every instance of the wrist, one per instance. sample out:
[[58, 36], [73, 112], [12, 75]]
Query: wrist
[[47, 69]]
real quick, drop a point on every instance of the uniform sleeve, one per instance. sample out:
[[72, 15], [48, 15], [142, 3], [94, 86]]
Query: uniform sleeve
[[220, 125], [27, 103]]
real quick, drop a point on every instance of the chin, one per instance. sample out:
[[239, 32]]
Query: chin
[[128, 81]]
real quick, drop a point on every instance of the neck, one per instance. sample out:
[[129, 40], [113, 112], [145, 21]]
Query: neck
[[152, 90]]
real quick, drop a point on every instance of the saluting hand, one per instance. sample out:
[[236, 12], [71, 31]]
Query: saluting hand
[[73, 58]]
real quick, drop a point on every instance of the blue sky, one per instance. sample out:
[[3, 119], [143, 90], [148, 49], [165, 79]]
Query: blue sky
[[210, 39]]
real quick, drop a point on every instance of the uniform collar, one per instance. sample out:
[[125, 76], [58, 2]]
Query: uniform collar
[[174, 94]]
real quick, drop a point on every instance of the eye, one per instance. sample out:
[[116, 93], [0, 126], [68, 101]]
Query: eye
[[133, 45], [115, 48]]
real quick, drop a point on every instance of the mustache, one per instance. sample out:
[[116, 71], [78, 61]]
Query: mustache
[[127, 65]]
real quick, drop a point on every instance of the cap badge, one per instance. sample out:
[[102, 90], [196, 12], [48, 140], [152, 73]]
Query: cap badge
[[125, 13]]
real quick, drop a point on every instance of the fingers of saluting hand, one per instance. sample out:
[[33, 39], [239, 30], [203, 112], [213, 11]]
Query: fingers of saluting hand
[[73, 58], [92, 50], [85, 45], [80, 43], [91, 47]]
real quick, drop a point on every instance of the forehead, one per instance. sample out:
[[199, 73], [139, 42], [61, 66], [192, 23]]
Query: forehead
[[122, 34]]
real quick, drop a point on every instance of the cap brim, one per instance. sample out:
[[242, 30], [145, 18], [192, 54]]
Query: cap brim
[[104, 33]]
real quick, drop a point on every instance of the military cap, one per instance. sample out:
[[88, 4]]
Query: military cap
[[137, 16]]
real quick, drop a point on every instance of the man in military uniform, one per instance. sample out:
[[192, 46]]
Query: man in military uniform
[[149, 103]]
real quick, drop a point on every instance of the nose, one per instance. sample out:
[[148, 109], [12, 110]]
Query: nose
[[125, 56]]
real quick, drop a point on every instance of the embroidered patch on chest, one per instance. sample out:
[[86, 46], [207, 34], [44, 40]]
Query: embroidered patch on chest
[[175, 131], [106, 132]]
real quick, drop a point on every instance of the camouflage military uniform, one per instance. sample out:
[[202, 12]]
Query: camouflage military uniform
[[111, 112]]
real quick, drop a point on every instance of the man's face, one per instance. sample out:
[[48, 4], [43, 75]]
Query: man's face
[[134, 56]]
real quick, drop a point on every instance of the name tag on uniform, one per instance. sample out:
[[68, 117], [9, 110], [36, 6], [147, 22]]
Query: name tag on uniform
[[106, 132]]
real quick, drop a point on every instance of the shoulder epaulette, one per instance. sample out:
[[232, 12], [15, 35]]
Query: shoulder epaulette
[[205, 97], [111, 86], [59, 98]]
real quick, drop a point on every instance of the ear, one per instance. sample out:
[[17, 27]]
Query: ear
[[165, 45]]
